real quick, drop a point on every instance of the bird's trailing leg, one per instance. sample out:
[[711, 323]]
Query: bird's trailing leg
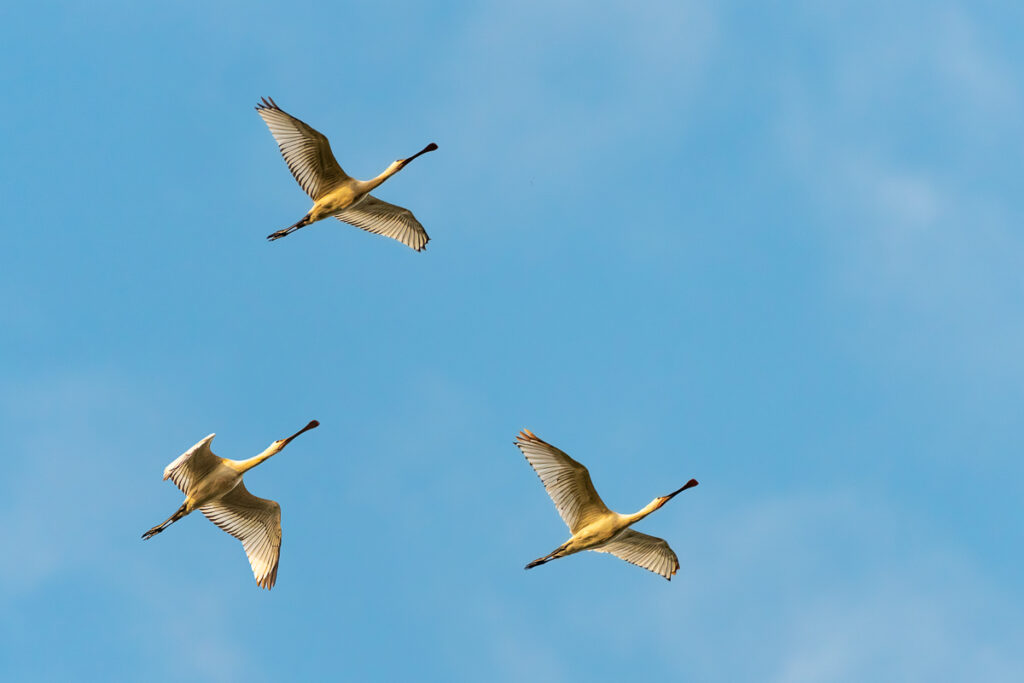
[[553, 555], [290, 229], [181, 512]]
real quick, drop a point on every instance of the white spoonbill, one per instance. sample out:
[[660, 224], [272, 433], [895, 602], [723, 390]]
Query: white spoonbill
[[214, 485], [593, 525], [334, 193]]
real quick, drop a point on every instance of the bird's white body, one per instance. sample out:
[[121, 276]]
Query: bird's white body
[[214, 486], [592, 525], [344, 196], [597, 533], [310, 159]]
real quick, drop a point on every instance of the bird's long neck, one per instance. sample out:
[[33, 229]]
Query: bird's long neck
[[657, 503], [271, 450], [373, 183], [646, 510], [394, 168]]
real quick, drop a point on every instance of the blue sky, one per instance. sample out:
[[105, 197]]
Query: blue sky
[[777, 249]]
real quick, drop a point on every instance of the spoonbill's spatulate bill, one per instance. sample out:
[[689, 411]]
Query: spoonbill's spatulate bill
[[214, 485], [592, 524], [334, 193]]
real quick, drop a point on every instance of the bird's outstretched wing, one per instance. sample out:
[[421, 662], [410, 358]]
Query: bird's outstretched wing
[[305, 150], [256, 522], [192, 465], [389, 220], [645, 551], [567, 481]]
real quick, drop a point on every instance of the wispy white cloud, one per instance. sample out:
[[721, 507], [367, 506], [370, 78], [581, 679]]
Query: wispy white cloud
[[899, 143], [834, 587], [547, 90], [64, 498]]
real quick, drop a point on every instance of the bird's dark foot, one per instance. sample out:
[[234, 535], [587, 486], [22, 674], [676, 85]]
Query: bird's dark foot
[[279, 234], [152, 532]]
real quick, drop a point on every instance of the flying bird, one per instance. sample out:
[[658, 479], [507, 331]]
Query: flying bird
[[592, 524], [214, 486], [334, 193]]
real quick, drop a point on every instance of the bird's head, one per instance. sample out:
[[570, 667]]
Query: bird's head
[[402, 162], [664, 499], [313, 424]]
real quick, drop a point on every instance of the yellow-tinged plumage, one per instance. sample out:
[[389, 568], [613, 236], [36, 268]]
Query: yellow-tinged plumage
[[214, 486], [592, 525], [334, 193]]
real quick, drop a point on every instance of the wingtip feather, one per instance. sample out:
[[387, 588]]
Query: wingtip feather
[[526, 435]]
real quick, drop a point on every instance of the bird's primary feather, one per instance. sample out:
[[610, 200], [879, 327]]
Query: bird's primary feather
[[650, 552], [305, 149], [256, 522], [566, 481], [381, 218]]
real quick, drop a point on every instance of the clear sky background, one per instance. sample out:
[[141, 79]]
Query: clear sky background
[[777, 248]]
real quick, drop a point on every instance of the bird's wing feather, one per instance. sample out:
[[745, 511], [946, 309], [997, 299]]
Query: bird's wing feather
[[192, 465], [645, 551], [256, 522], [567, 481], [381, 218], [306, 151]]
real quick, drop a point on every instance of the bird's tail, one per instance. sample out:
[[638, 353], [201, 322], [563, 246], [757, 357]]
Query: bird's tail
[[181, 512], [303, 222]]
